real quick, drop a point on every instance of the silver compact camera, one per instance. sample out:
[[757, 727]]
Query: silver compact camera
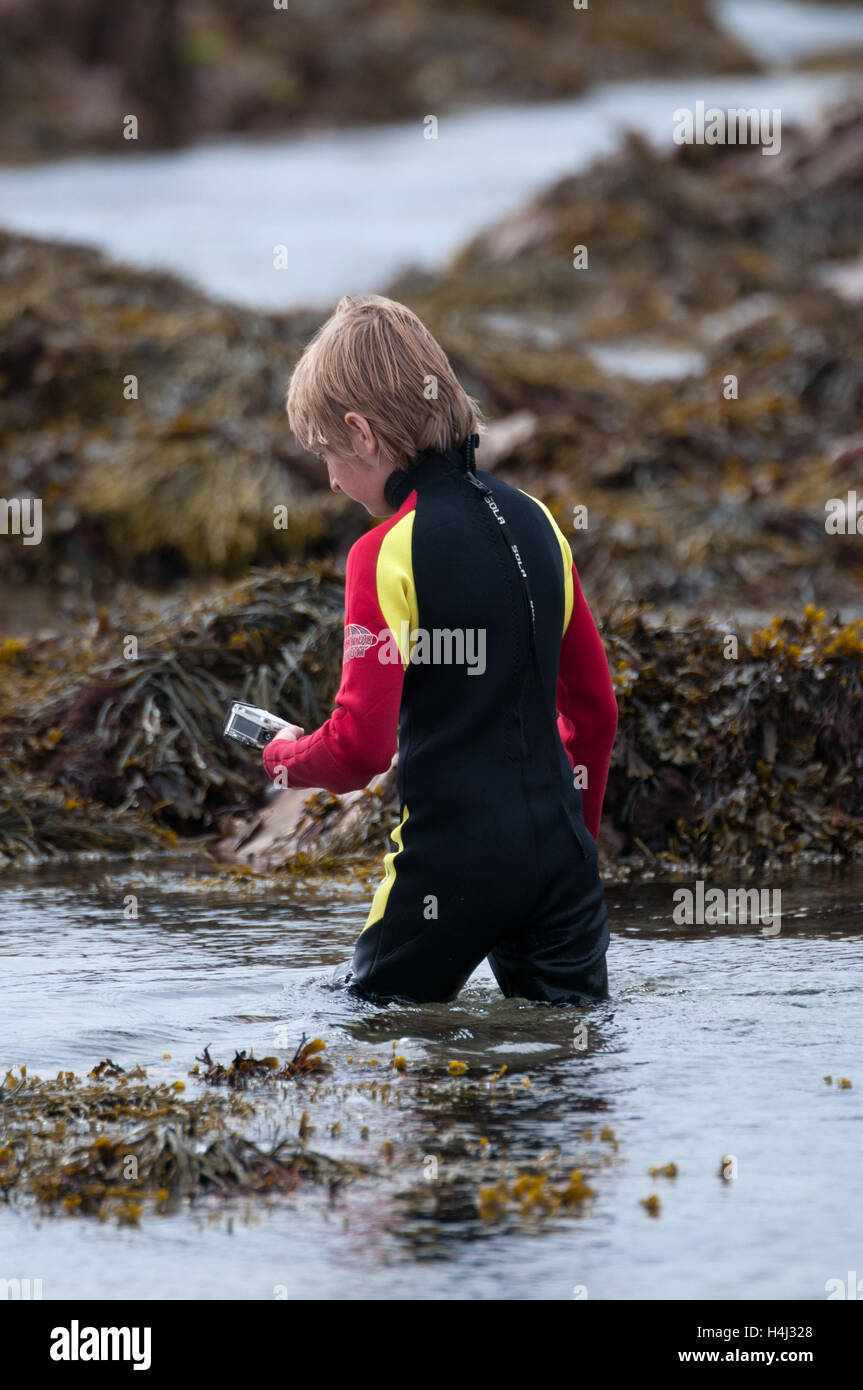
[[251, 726]]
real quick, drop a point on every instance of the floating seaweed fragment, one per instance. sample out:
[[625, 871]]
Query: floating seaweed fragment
[[533, 1193], [668, 1170], [306, 1061], [106, 1070]]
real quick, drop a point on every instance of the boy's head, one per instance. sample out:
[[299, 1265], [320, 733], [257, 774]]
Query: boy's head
[[371, 389]]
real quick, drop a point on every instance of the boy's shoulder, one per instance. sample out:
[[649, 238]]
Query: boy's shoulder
[[525, 504], [366, 548]]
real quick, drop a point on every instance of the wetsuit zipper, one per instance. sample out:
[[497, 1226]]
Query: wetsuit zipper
[[486, 493]]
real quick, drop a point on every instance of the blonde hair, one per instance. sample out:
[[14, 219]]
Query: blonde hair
[[374, 356]]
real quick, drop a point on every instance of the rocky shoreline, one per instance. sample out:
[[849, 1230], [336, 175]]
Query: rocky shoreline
[[695, 514], [698, 501], [191, 70], [734, 749]]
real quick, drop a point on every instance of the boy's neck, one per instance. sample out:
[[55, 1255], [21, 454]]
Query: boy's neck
[[425, 466]]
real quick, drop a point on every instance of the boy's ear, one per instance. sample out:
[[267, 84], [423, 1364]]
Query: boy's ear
[[362, 434]]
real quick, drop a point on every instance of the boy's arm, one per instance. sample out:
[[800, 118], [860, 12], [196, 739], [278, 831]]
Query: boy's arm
[[587, 719], [360, 737]]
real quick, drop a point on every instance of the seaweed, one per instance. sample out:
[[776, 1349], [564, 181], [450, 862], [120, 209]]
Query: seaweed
[[736, 745], [697, 502], [142, 737], [306, 1061], [39, 822], [718, 759], [738, 760], [116, 1145], [195, 473]]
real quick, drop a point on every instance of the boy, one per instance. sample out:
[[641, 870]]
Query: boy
[[465, 631]]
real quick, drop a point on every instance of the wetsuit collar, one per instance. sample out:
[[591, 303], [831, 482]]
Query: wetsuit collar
[[426, 465]]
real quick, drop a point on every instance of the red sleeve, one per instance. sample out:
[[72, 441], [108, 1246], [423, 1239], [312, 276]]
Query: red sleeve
[[360, 737], [585, 699]]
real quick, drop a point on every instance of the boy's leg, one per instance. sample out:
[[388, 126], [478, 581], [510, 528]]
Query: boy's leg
[[438, 921], [556, 951], [559, 955], [450, 888], [425, 968], [394, 961], [546, 967]]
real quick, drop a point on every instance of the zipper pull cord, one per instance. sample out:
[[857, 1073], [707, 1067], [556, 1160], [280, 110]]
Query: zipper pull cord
[[470, 447], [470, 465]]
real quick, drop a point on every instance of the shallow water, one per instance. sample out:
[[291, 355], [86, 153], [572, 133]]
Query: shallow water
[[715, 1041], [354, 207], [785, 31]]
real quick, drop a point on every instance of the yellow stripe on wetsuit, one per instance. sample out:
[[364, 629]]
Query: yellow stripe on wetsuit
[[566, 554], [398, 601], [384, 888], [394, 577]]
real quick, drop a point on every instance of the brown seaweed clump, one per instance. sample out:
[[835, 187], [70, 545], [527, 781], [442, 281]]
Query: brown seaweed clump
[[533, 1194], [115, 1145], [150, 422], [735, 744], [120, 723], [306, 1061], [705, 492], [735, 747], [39, 822]]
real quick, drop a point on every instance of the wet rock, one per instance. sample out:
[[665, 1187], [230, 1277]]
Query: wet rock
[[314, 829], [151, 423], [190, 69]]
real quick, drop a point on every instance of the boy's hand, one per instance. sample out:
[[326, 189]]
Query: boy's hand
[[290, 731]]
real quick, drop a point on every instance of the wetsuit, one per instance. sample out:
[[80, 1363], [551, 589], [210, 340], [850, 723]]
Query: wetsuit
[[493, 856]]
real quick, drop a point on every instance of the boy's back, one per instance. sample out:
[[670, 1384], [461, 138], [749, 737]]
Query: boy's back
[[465, 631]]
